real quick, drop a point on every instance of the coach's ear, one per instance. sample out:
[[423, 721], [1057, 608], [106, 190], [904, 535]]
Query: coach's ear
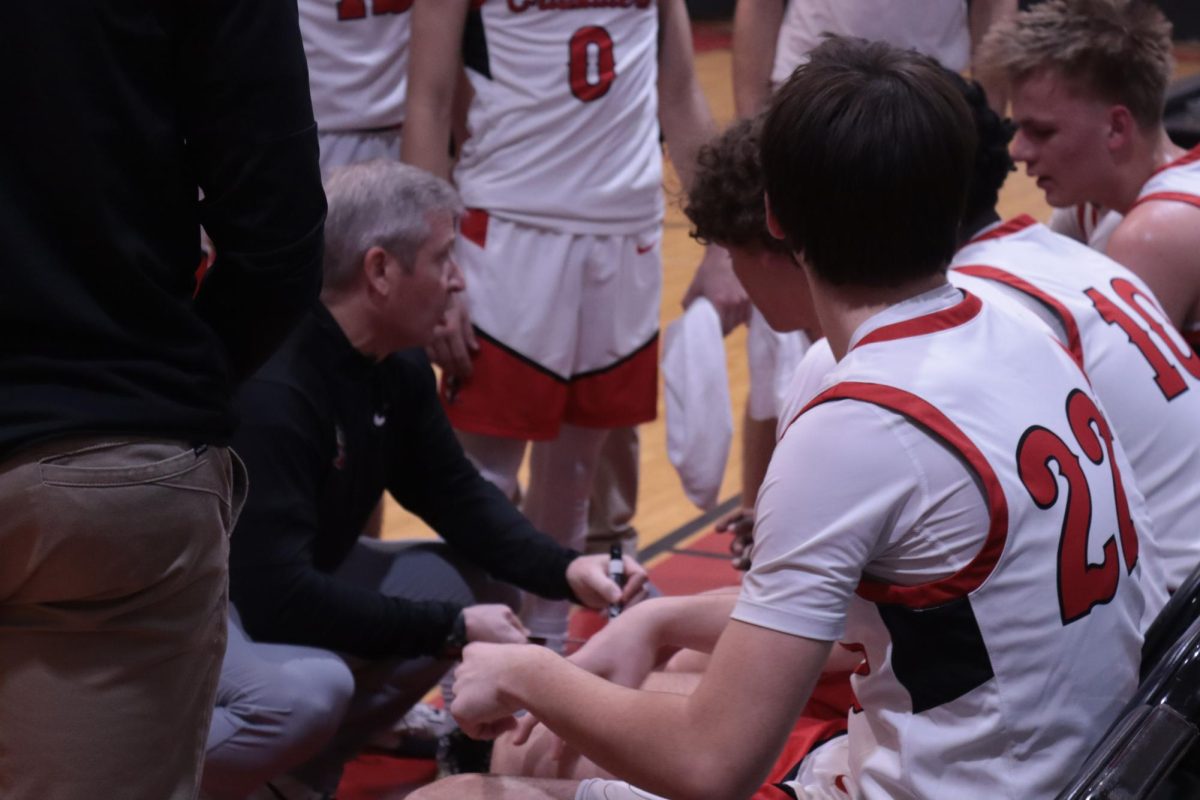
[[375, 271]]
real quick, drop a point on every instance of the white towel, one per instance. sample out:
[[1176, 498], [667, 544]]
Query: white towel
[[699, 416]]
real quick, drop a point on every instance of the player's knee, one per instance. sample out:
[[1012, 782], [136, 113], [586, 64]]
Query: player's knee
[[456, 787]]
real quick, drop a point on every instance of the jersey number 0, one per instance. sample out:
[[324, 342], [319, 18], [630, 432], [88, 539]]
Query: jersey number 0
[[591, 65]]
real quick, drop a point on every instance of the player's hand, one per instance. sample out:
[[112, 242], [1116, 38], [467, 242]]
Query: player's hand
[[740, 523], [625, 650], [479, 707], [494, 622], [588, 578], [715, 280], [454, 341]]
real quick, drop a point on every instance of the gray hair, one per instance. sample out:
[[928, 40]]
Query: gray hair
[[380, 204]]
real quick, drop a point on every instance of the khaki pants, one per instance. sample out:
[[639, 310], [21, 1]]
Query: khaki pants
[[113, 579]]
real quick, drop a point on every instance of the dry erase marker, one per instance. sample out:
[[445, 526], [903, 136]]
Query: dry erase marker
[[616, 571]]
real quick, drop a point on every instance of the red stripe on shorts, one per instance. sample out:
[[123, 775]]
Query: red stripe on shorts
[[506, 395], [618, 396]]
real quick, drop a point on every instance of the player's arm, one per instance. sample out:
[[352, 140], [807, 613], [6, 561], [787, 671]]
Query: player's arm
[[1158, 241], [434, 66], [756, 26], [720, 741], [686, 125], [982, 16]]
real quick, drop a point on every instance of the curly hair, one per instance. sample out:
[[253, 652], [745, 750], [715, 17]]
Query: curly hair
[[1117, 50], [993, 162], [725, 204]]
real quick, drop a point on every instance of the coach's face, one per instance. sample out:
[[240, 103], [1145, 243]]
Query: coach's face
[[425, 289], [1064, 137]]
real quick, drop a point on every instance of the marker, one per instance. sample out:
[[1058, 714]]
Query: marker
[[616, 571]]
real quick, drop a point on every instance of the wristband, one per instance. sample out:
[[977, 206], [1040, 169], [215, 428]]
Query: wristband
[[456, 640]]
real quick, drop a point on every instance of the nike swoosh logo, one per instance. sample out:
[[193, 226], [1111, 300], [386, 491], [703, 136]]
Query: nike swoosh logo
[[643, 249]]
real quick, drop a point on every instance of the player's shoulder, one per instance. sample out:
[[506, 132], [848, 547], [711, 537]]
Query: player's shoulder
[[1159, 227]]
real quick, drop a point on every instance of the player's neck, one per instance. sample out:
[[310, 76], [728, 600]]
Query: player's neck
[[975, 223], [1150, 153], [842, 309]]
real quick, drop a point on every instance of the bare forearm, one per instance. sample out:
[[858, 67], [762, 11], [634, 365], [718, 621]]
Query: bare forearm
[[755, 30], [693, 622], [985, 14], [683, 112], [623, 730], [434, 68]]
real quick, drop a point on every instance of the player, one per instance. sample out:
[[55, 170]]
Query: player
[[357, 53], [940, 521], [1088, 82], [561, 242], [772, 37]]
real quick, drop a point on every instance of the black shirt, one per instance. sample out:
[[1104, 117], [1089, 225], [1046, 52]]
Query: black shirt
[[114, 113], [324, 431]]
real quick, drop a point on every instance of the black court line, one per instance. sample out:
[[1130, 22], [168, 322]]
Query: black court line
[[699, 553], [676, 536]]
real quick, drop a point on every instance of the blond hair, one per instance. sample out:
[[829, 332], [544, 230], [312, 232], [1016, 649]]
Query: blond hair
[[1118, 51]]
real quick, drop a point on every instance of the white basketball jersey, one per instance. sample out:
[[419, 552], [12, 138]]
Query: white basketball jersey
[[1087, 224], [1007, 672], [1179, 180], [564, 123], [357, 61], [1141, 368], [937, 28]]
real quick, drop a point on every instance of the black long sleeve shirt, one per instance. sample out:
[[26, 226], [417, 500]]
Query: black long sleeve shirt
[[324, 430], [114, 113]]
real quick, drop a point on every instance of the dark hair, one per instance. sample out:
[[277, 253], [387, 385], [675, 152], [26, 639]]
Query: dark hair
[[725, 203], [866, 151], [1119, 51], [993, 162]]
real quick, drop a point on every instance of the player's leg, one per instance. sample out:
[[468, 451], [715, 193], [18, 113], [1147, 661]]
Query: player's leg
[[494, 787], [556, 501], [614, 494]]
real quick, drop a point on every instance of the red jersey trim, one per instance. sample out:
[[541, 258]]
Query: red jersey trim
[[971, 576], [1179, 197], [1074, 345], [1014, 225], [474, 225], [1189, 157], [960, 313]]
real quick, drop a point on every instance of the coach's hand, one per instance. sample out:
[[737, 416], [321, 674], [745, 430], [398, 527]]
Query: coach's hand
[[715, 280], [454, 342], [588, 578], [494, 622]]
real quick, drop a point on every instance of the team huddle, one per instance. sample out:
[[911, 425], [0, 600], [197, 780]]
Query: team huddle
[[972, 446]]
